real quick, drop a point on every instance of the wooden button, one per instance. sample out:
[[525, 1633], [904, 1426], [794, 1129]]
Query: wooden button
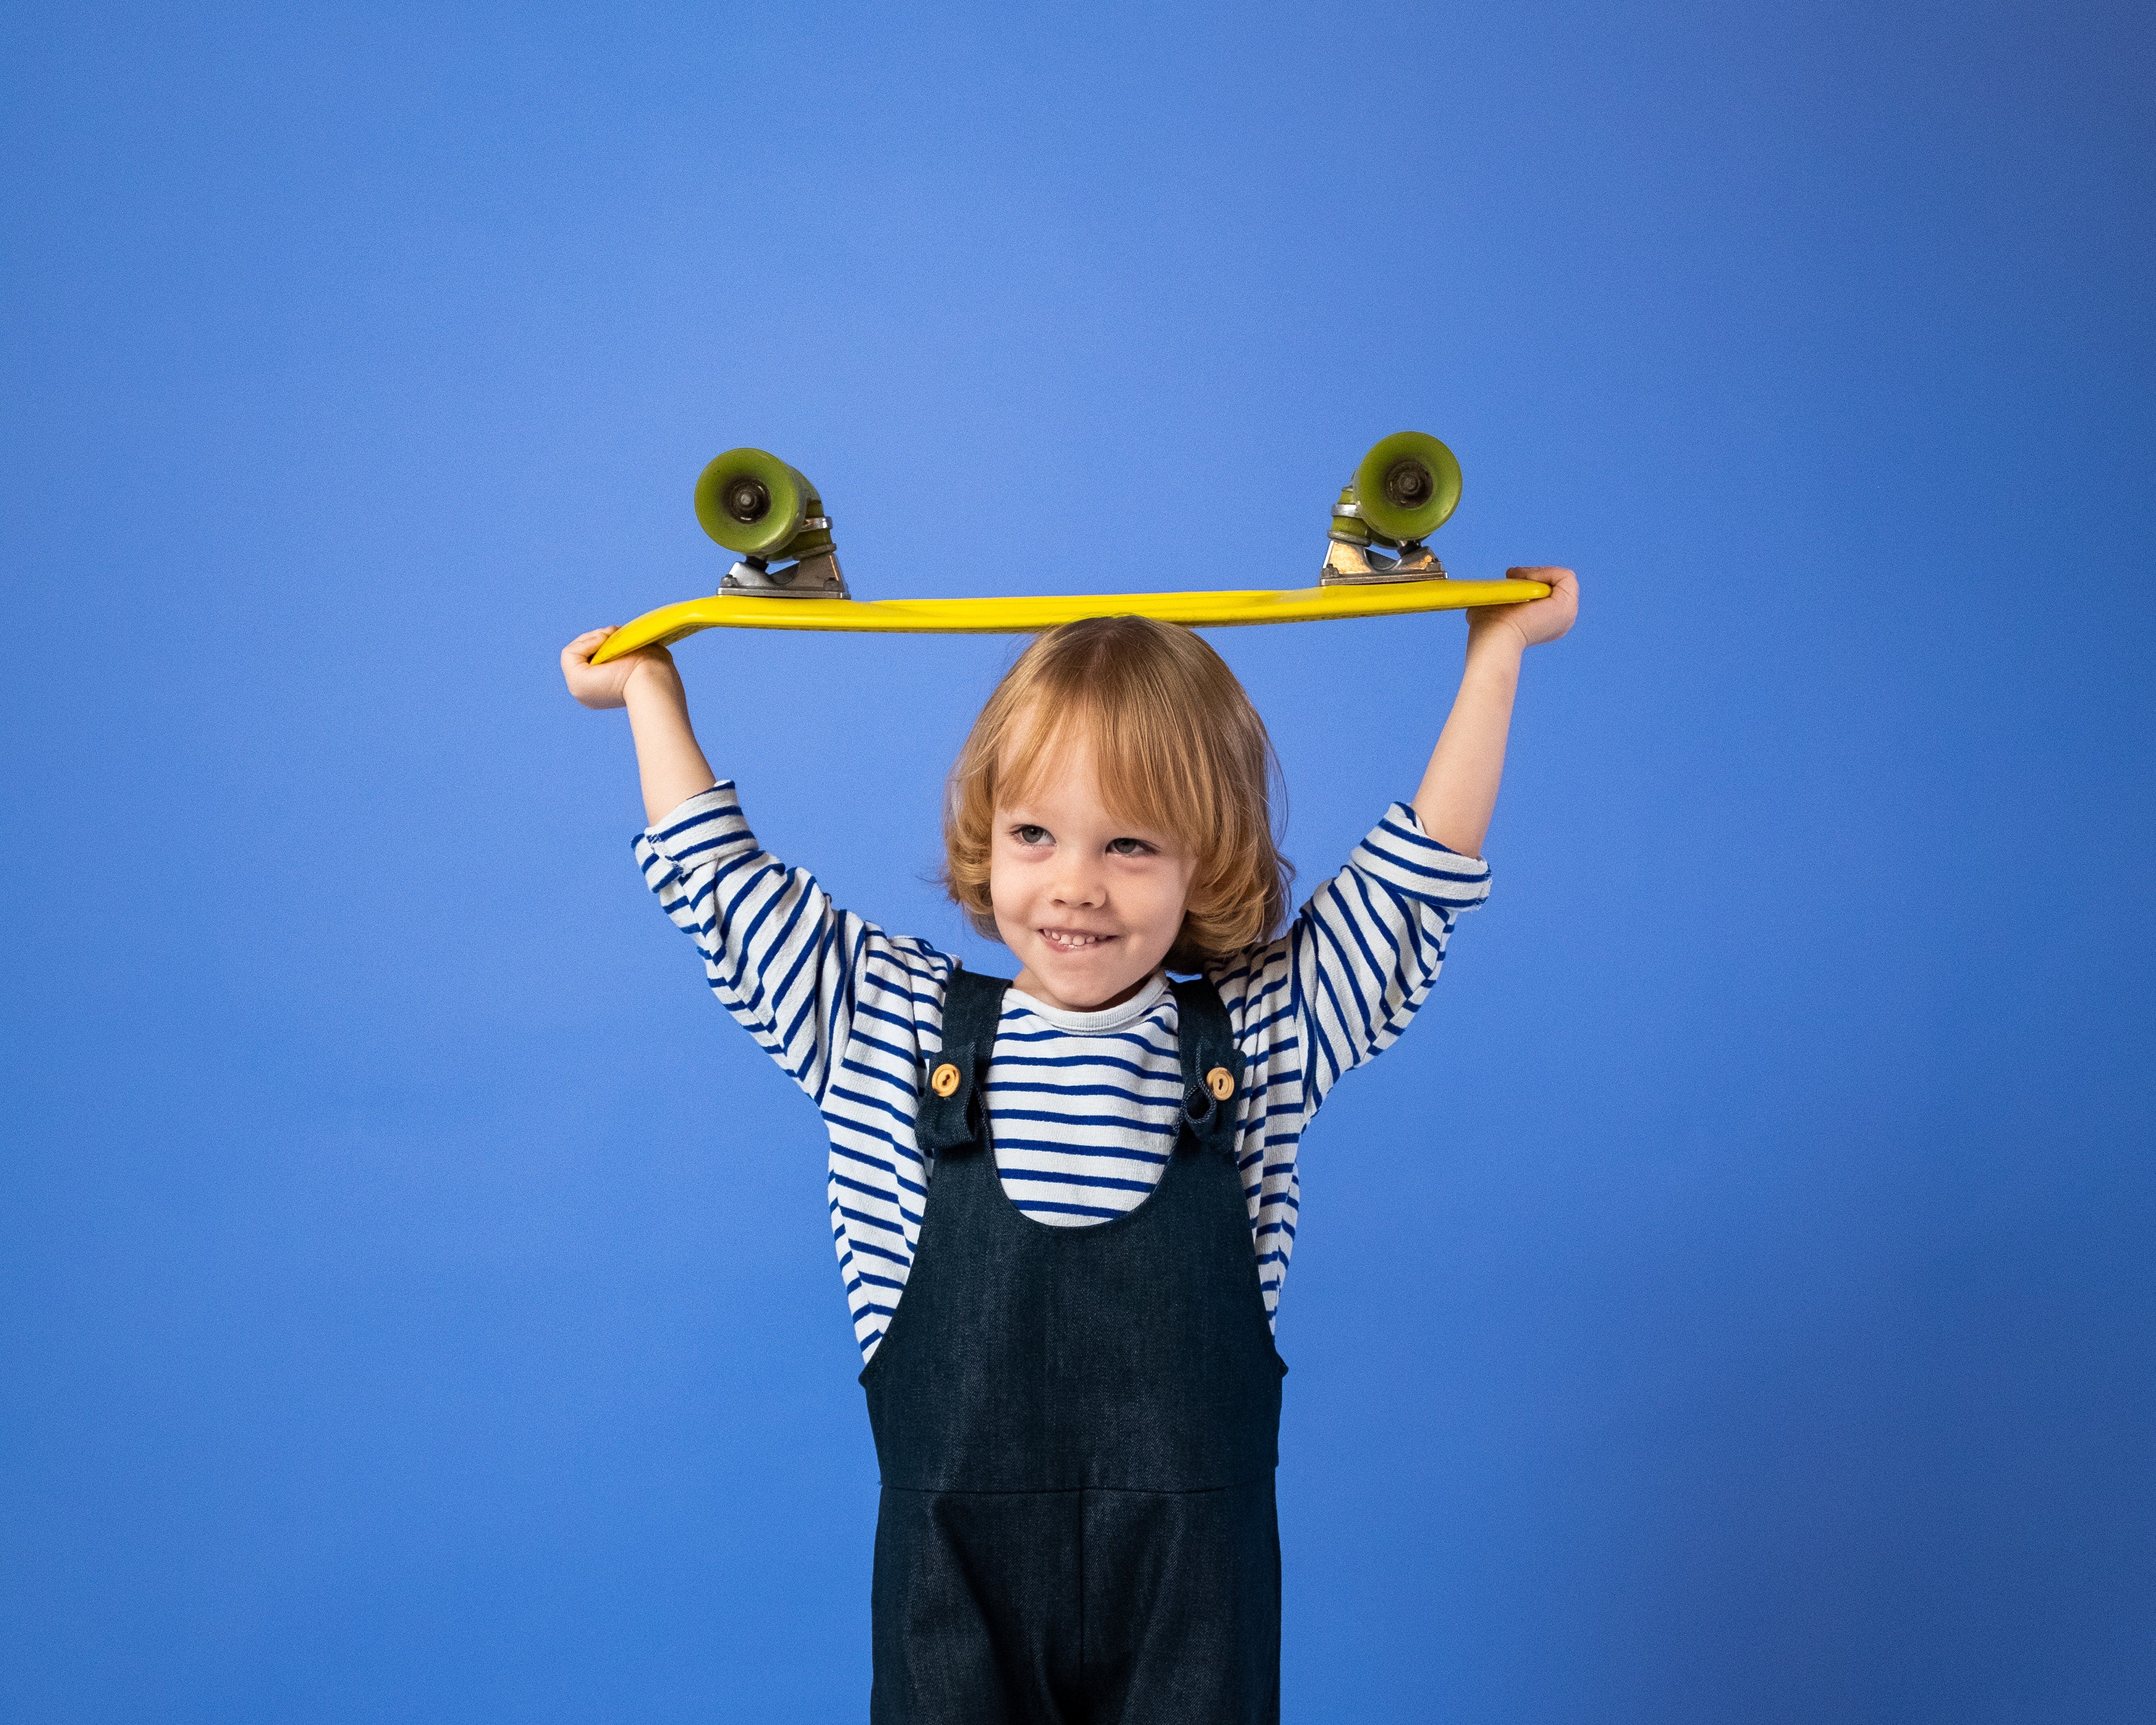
[[1221, 1082], [944, 1079]]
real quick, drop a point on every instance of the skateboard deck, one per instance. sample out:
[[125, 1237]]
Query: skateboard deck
[[1225, 609]]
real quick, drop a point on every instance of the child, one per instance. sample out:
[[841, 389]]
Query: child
[[1064, 1205]]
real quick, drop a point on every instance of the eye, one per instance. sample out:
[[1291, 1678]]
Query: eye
[[1031, 835], [1129, 847]]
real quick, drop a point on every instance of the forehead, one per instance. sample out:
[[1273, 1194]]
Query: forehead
[[1048, 763], [1056, 761], [1071, 760]]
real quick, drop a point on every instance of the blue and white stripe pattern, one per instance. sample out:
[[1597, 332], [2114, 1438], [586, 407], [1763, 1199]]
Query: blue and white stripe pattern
[[1083, 1105]]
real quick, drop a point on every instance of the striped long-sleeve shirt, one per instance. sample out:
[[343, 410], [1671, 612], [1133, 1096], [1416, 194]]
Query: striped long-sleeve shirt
[[1083, 1106]]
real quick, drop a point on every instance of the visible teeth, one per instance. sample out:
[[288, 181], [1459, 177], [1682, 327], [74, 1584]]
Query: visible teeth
[[1071, 940]]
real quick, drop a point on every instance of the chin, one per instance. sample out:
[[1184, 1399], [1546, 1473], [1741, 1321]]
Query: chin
[[1086, 986]]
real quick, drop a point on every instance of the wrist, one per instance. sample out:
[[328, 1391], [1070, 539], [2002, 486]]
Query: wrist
[[654, 681], [1495, 642]]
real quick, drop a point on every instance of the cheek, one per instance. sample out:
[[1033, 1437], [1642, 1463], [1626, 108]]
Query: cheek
[[1006, 886], [1168, 896]]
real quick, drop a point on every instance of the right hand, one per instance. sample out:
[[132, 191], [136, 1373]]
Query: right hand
[[598, 686]]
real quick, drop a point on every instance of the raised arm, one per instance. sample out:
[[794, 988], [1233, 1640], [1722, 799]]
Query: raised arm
[[793, 969], [1459, 790], [668, 760]]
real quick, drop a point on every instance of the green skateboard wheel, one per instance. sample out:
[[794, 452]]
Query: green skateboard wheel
[[1408, 485], [752, 502]]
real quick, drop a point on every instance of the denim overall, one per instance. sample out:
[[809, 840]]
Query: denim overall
[[1077, 1429]]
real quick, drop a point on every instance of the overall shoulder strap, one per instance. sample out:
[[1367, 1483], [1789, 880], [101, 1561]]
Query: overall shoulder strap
[[1212, 1067], [951, 1112]]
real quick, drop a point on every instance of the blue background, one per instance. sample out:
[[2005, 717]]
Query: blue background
[[1733, 1301]]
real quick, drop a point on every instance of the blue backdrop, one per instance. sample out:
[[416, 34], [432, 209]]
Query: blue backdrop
[[416, 1301]]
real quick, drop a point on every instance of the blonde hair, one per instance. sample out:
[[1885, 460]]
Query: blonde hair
[[1178, 748]]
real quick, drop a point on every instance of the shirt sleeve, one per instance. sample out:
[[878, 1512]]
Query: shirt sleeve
[[1358, 960], [782, 959]]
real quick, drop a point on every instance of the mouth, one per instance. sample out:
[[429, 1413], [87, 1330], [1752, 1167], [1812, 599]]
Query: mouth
[[1073, 940]]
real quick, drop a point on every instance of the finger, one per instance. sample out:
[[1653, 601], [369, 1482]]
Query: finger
[[580, 650]]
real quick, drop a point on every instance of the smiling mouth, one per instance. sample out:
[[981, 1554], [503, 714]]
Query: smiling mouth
[[1072, 940]]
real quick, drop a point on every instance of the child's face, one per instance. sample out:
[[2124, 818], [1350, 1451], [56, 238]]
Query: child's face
[[1090, 904]]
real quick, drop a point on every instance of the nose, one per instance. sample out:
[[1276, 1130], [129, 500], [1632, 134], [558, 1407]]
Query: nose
[[1078, 886]]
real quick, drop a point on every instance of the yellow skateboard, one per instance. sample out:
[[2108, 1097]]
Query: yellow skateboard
[[753, 504]]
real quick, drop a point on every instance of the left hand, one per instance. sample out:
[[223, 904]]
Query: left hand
[[1537, 621]]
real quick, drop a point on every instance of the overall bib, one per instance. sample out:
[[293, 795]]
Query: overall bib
[[1077, 1429]]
